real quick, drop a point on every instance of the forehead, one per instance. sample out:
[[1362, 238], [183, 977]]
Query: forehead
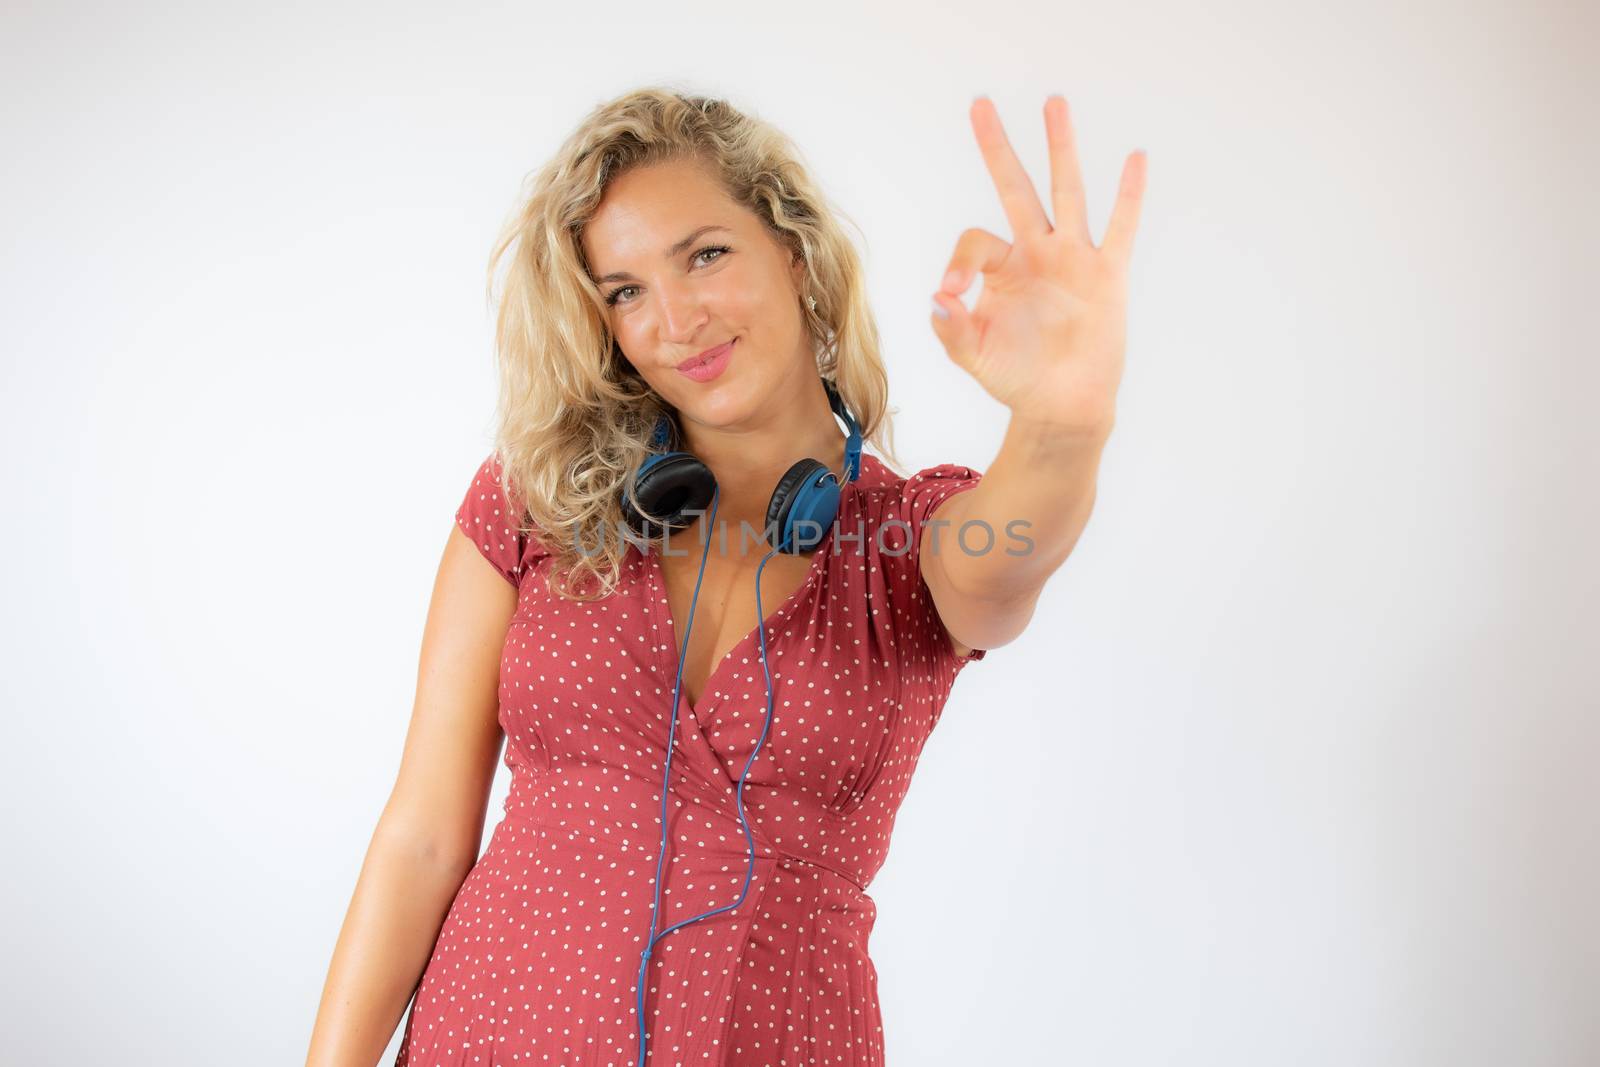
[[647, 209]]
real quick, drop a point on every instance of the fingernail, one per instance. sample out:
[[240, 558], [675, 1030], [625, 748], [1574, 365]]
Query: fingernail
[[938, 309], [953, 280]]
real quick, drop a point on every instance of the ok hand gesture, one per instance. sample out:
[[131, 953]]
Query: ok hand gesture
[[1047, 335]]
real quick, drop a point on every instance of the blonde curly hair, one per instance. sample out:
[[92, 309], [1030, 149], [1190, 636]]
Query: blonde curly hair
[[574, 418]]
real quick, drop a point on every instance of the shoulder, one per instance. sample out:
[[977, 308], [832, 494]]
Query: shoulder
[[898, 515], [492, 517], [910, 499]]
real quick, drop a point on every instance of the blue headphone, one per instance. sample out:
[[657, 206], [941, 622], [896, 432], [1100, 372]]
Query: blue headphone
[[672, 488]]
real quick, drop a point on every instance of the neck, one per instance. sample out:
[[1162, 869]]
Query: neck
[[747, 461]]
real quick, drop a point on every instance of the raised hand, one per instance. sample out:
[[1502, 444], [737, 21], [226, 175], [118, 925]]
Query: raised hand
[[1047, 335]]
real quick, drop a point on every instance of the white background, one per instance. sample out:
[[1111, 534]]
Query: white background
[[1295, 762]]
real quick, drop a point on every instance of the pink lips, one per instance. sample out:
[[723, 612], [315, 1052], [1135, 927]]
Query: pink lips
[[711, 366]]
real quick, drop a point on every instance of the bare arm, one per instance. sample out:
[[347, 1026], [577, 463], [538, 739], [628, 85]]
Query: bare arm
[[1047, 478], [427, 838], [1047, 338]]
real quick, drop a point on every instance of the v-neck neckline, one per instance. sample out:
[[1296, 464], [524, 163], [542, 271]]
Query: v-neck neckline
[[669, 629]]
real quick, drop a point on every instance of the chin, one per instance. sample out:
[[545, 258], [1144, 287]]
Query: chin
[[717, 407]]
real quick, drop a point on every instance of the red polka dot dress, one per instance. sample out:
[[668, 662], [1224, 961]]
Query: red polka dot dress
[[538, 958]]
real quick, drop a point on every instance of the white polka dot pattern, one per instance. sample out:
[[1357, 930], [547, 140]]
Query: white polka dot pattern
[[538, 958]]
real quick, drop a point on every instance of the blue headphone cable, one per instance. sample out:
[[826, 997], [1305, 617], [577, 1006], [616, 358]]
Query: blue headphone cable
[[672, 732]]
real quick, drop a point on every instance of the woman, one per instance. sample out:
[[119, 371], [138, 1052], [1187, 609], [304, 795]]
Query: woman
[[676, 283]]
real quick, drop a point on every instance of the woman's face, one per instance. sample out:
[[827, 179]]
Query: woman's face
[[684, 270]]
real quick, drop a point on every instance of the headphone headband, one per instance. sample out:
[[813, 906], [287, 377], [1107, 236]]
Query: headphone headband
[[658, 439], [852, 445]]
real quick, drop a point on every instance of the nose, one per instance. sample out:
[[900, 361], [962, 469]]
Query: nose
[[681, 312]]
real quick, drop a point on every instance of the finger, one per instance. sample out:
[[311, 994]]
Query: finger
[[956, 329], [1017, 195], [977, 252], [1124, 222], [1066, 177]]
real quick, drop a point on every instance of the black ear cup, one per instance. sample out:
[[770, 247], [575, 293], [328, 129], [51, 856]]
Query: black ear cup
[[672, 489], [782, 509]]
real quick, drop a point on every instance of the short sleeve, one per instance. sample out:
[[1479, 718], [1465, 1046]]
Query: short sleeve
[[490, 520], [921, 494]]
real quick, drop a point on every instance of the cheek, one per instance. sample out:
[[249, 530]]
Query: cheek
[[631, 353], [633, 332], [743, 302]]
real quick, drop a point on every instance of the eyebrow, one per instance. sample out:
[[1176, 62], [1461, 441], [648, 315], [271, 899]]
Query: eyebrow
[[680, 246]]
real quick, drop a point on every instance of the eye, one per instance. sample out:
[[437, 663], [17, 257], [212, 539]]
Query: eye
[[721, 250]]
